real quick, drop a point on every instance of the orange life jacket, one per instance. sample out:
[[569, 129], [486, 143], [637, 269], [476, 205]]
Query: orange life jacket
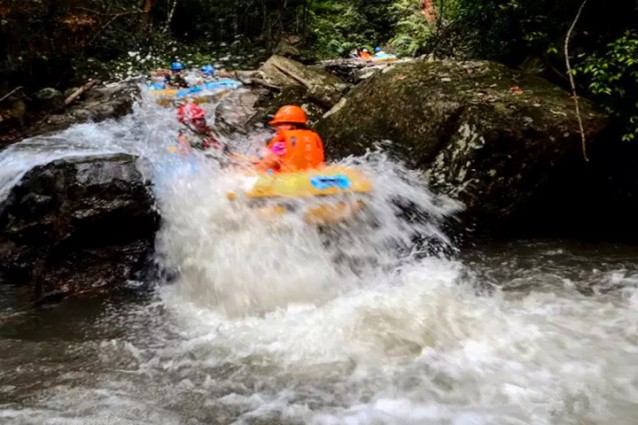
[[302, 150], [365, 56]]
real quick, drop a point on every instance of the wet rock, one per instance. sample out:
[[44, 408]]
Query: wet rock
[[281, 81], [49, 99], [353, 71], [245, 77], [253, 108], [239, 113], [77, 225], [320, 86], [481, 132], [98, 104]]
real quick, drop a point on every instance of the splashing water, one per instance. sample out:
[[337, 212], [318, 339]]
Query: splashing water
[[230, 257], [147, 132], [280, 322], [142, 132]]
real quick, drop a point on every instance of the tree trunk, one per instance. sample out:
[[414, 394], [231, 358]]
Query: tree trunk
[[147, 8], [306, 6]]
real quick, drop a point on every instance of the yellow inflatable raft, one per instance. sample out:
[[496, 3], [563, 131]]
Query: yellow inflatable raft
[[328, 195], [167, 97]]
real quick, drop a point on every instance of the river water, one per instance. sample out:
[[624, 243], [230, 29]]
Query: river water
[[381, 321]]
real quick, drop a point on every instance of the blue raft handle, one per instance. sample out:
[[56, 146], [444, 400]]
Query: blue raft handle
[[325, 182]]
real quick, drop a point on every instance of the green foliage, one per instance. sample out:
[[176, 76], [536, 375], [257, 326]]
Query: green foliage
[[338, 26], [222, 21], [65, 41], [40, 41], [412, 32], [613, 78], [332, 23], [605, 54], [494, 29]]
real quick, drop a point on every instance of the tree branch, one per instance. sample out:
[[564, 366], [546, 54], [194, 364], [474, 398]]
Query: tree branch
[[292, 75], [573, 83], [79, 91], [127, 12], [10, 93]]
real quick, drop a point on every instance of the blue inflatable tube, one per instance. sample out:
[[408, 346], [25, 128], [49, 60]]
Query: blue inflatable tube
[[210, 86]]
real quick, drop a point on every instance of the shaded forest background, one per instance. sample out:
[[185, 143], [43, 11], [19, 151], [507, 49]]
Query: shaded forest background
[[59, 43]]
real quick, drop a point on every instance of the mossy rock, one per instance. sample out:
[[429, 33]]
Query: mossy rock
[[49, 99], [483, 133]]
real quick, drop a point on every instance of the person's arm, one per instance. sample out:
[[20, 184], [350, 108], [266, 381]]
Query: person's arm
[[274, 151], [213, 142], [183, 145]]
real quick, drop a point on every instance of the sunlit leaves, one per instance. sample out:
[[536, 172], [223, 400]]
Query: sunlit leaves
[[613, 77]]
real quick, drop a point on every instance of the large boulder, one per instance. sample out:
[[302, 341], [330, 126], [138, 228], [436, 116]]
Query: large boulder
[[482, 132], [281, 81], [239, 113], [252, 109], [319, 86], [77, 225]]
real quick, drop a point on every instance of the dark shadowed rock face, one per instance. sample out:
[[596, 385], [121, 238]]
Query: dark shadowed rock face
[[97, 104], [77, 225], [481, 132]]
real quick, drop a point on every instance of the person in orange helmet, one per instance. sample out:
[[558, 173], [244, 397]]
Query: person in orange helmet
[[365, 55], [295, 147]]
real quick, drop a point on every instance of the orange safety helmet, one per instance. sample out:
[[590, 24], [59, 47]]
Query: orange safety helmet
[[190, 112], [290, 114]]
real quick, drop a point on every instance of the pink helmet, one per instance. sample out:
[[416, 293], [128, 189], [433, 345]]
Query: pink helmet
[[190, 112]]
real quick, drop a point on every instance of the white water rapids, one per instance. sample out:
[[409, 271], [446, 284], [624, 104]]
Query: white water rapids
[[278, 322]]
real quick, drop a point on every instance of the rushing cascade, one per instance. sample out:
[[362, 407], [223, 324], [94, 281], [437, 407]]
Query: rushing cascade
[[274, 320]]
